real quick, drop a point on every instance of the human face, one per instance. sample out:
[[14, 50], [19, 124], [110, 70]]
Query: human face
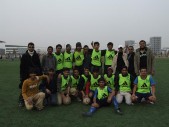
[[95, 74], [124, 71], [58, 49], [143, 72], [110, 47], [51, 73], [50, 50], [96, 46], [66, 73], [101, 83], [32, 76], [68, 49], [109, 72], [76, 73], [78, 48], [130, 50], [31, 48], [142, 45], [85, 49], [86, 71], [120, 49]]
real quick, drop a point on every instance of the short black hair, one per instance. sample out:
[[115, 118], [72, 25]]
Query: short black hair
[[110, 43], [142, 41], [66, 69], [30, 43], [101, 79], [96, 69], [59, 45], [143, 68], [50, 47], [96, 43], [74, 69], [86, 46], [124, 67]]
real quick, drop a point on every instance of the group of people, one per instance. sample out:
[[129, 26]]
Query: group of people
[[93, 76]]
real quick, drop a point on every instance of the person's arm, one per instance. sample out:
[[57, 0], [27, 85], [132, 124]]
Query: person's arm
[[136, 64], [131, 80], [59, 81], [24, 90], [92, 44], [114, 63], [135, 87], [116, 83]]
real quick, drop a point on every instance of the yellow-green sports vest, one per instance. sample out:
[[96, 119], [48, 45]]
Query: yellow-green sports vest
[[143, 85], [94, 82], [102, 93], [59, 59], [109, 57], [68, 60], [96, 58], [64, 83], [124, 83], [109, 81], [74, 82], [79, 57]]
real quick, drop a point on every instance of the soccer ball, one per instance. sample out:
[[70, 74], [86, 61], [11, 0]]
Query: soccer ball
[[86, 100], [67, 100]]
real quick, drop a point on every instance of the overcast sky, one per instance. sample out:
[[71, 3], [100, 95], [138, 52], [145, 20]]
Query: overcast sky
[[49, 22]]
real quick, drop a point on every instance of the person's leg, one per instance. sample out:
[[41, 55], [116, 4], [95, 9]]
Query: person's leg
[[38, 99], [139, 97], [116, 105], [119, 97], [28, 106], [127, 98], [53, 99], [59, 99], [21, 100]]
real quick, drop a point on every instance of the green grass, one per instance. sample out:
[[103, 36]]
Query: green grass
[[140, 115]]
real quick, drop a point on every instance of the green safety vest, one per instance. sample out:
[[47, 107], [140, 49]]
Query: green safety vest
[[74, 82], [59, 59], [124, 83], [79, 57], [94, 82], [102, 93], [143, 85], [109, 57], [68, 60], [64, 83], [96, 58], [109, 81]]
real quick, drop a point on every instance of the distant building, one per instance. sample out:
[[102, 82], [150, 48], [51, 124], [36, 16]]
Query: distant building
[[155, 45], [2, 51], [15, 49]]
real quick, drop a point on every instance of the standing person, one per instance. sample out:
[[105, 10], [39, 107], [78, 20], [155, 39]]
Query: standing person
[[48, 60], [78, 57], [103, 96], [123, 86], [108, 56], [144, 58], [49, 87], [59, 58], [30, 91], [144, 87], [130, 57], [30, 59], [68, 58], [96, 57], [87, 58], [119, 60]]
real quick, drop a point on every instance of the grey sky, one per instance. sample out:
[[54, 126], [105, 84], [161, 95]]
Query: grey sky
[[49, 22]]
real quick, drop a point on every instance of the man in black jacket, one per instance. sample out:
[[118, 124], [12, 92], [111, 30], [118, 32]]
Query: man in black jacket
[[30, 59]]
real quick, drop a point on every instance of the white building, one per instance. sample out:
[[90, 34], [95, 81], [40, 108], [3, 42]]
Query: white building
[[155, 45]]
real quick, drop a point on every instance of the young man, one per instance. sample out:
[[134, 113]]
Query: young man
[[78, 57], [87, 57], [30, 59], [75, 78], [110, 78], [144, 87], [30, 91], [48, 60], [96, 57], [50, 88], [59, 58], [63, 85], [103, 96], [108, 56], [123, 85], [84, 81], [68, 58]]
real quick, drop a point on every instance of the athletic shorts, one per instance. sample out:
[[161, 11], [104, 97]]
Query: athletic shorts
[[142, 95], [102, 102]]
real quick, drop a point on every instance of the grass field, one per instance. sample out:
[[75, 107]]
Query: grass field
[[140, 115]]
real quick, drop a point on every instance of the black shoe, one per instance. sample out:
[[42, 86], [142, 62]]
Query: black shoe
[[21, 104], [87, 114], [118, 111]]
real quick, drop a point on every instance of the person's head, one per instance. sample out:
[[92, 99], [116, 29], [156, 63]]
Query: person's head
[[50, 50], [131, 49], [66, 72], [75, 72], [85, 49], [101, 82], [95, 72], [120, 48], [142, 44], [51, 72], [58, 48], [96, 45], [86, 71], [143, 72], [124, 70], [32, 73], [109, 71], [31, 46], [68, 47], [78, 46], [110, 46]]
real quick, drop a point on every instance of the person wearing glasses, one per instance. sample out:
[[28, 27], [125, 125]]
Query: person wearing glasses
[[30, 59]]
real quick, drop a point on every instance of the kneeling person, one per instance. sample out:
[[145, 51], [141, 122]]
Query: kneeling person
[[30, 91]]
